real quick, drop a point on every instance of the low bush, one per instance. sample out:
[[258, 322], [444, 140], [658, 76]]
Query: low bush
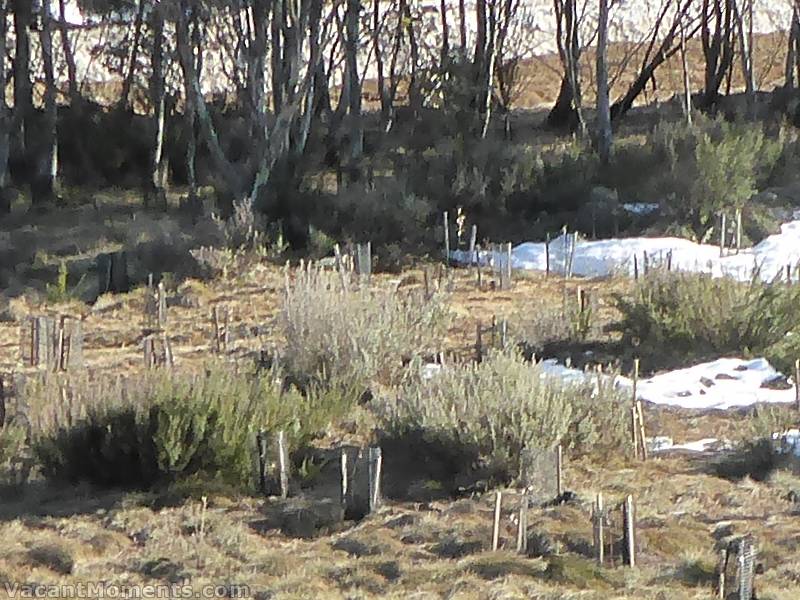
[[357, 334], [675, 319], [168, 429], [505, 404]]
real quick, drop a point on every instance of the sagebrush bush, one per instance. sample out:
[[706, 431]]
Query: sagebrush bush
[[504, 404], [168, 428], [358, 334], [687, 316]]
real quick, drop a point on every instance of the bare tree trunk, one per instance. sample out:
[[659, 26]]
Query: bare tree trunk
[[5, 116], [23, 91], [745, 13], [355, 135], [414, 94], [604, 135], [44, 184], [462, 26], [791, 51], [124, 99], [444, 55], [687, 85], [69, 55], [487, 82], [155, 193], [718, 46], [376, 48], [568, 104]]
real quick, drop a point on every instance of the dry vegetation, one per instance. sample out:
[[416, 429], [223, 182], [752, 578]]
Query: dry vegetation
[[423, 544]]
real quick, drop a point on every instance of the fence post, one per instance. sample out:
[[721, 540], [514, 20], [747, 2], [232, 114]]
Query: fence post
[[722, 228], [498, 502], [547, 255], [599, 542], [629, 518], [446, 240], [522, 525], [559, 471], [375, 467]]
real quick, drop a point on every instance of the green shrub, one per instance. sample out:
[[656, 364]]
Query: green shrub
[[358, 335], [711, 166], [695, 316], [505, 404], [168, 429]]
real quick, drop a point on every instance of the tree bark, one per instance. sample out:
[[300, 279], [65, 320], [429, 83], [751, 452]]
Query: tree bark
[[5, 116], [155, 192], [791, 51], [604, 134], [44, 184], [69, 55], [127, 83]]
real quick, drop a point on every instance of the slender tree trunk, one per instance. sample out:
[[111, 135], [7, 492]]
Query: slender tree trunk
[[278, 67], [444, 53], [488, 68], [744, 19], [5, 116], [44, 185], [23, 91], [376, 48], [414, 93], [604, 135], [791, 51], [687, 85], [352, 81], [69, 55], [462, 26], [127, 83], [155, 194]]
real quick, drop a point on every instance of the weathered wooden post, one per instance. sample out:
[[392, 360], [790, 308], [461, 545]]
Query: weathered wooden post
[[598, 515], [498, 502], [522, 525], [635, 268], [473, 240], [478, 342], [508, 265], [722, 232], [2, 402], [629, 520], [375, 468], [559, 471], [478, 268], [547, 255], [446, 240]]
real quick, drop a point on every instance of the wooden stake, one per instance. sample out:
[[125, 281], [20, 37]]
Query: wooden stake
[[446, 240], [629, 517], [722, 228], [508, 265], [375, 465], [642, 435], [635, 268], [547, 255], [498, 501], [559, 471], [478, 342], [522, 526], [283, 464], [478, 268], [599, 538], [2, 402], [473, 239], [738, 229]]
